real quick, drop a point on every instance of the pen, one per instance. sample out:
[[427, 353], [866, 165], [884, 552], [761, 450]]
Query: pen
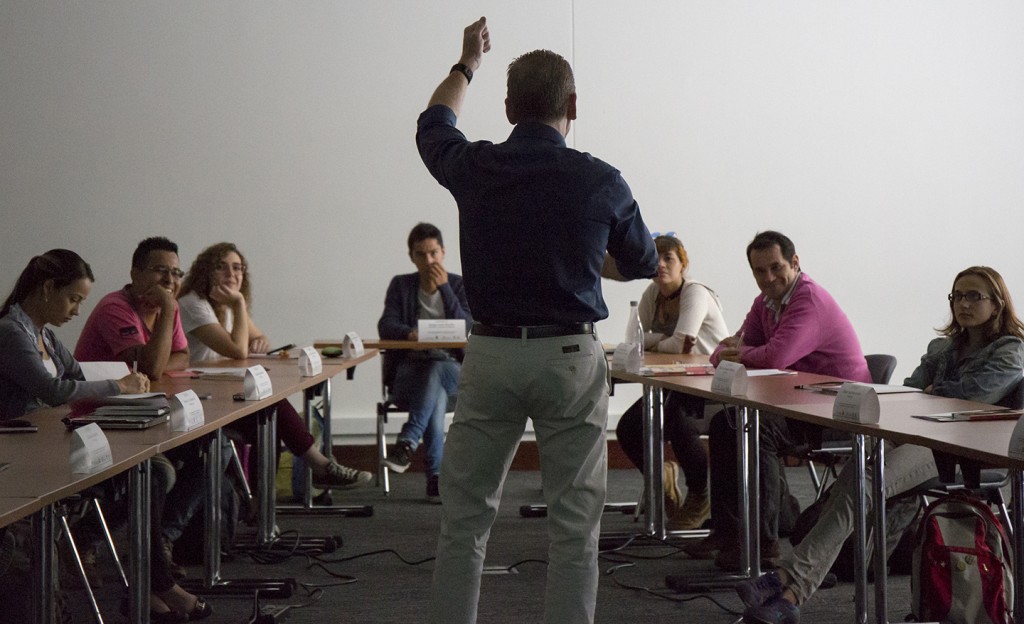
[[284, 348]]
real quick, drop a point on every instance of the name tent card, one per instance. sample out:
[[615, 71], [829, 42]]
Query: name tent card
[[90, 449], [730, 378], [1016, 448], [310, 363], [186, 411], [857, 403], [257, 383], [352, 346], [627, 358], [441, 330]]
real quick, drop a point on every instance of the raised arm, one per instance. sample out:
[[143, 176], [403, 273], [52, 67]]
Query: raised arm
[[476, 40]]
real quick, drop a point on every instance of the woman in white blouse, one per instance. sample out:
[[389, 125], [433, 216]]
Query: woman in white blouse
[[678, 316]]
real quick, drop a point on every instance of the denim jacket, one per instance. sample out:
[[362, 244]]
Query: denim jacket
[[987, 375], [25, 384]]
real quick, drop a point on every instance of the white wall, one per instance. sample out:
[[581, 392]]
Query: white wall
[[883, 137]]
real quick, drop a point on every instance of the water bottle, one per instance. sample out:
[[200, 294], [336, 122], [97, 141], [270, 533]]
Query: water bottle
[[635, 331]]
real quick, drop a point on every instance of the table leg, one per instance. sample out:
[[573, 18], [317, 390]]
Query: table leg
[[860, 532], [266, 445], [878, 504], [139, 494], [748, 451], [307, 507], [654, 459], [42, 566], [211, 510], [1017, 514]]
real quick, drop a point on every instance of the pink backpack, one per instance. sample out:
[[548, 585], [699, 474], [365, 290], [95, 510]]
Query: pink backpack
[[963, 569]]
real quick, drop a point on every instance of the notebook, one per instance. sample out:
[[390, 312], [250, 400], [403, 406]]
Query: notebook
[[658, 370], [122, 422], [973, 415], [832, 387]]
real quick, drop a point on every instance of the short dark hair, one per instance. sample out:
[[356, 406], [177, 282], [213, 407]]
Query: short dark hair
[[422, 232], [63, 266], [770, 238], [153, 243], [540, 84]]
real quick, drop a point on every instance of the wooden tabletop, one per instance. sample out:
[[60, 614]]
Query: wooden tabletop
[[40, 469], [986, 441], [13, 509]]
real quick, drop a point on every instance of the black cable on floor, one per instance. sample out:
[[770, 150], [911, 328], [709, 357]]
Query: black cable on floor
[[666, 594]]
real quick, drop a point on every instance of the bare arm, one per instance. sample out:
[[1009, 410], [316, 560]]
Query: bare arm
[[154, 356], [476, 40]]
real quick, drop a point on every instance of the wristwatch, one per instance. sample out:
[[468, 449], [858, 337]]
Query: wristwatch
[[466, 71]]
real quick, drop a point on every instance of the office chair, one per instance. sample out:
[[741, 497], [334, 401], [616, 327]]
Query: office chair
[[881, 367], [77, 506], [985, 483]]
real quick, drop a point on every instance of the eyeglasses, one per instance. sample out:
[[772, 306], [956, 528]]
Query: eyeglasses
[[972, 296], [234, 267], [167, 271]]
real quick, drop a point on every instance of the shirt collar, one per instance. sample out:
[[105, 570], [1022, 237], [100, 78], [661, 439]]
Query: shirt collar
[[537, 130], [777, 308]]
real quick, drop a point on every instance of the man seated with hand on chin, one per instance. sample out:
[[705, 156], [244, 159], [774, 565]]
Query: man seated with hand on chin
[[422, 380], [140, 325], [793, 324]]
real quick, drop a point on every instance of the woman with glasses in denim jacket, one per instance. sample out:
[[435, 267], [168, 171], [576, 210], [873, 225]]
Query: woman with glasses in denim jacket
[[978, 357]]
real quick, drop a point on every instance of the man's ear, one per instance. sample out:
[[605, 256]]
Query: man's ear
[[570, 109], [796, 262], [510, 112]]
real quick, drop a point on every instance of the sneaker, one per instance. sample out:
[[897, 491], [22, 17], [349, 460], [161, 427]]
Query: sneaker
[[673, 495], [777, 610], [433, 491], [728, 559], [705, 548], [167, 552], [399, 456], [755, 592], [338, 477], [695, 511]]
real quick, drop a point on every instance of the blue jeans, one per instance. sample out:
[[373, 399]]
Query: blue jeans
[[423, 387]]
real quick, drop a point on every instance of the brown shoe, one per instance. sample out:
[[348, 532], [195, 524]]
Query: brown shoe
[[673, 495], [705, 548], [695, 511]]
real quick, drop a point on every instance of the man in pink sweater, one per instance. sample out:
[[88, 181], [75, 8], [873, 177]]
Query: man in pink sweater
[[793, 324]]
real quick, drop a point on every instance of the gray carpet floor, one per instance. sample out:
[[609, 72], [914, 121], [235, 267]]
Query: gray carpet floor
[[382, 572]]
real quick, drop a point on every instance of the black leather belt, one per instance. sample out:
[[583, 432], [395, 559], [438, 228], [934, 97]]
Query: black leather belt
[[532, 331]]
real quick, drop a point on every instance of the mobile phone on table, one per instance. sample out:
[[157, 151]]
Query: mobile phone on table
[[17, 425]]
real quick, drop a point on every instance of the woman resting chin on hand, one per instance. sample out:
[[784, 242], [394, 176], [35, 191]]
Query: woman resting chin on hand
[[214, 304]]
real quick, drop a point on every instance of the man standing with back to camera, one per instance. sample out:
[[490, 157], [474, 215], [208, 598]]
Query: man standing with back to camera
[[536, 219]]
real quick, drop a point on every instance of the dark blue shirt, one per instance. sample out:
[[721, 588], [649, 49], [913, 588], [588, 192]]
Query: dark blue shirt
[[535, 219]]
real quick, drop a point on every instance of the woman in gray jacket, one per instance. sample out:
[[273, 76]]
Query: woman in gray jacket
[[35, 368]]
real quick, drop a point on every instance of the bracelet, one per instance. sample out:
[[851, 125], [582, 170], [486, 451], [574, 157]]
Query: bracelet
[[464, 70]]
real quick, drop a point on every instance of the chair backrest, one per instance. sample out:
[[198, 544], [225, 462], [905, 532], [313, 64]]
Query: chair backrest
[[881, 367]]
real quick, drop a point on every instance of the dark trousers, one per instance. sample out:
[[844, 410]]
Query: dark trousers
[[680, 426], [777, 435], [291, 430]]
